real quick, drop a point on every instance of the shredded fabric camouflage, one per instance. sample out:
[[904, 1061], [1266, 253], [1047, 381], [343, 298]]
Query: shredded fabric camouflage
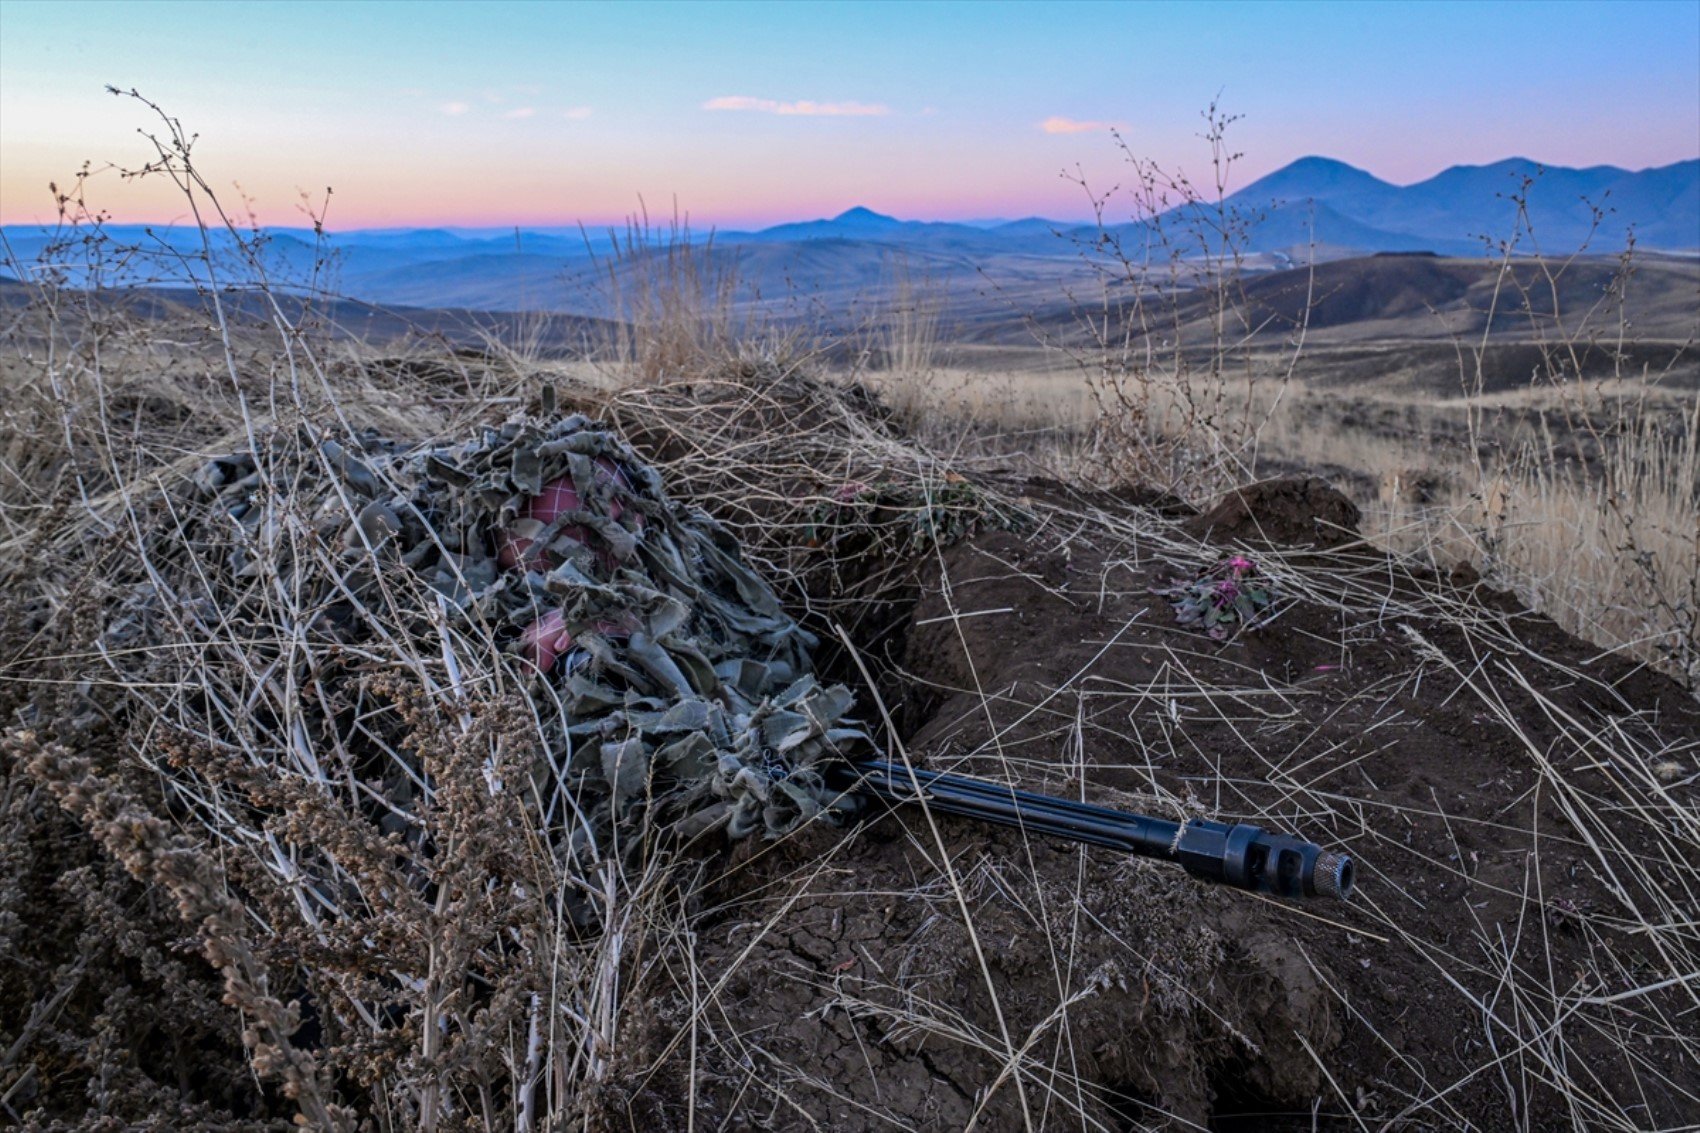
[[683, 689]]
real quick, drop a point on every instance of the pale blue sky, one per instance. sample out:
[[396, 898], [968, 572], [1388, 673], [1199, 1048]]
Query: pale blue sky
[[512, 112]]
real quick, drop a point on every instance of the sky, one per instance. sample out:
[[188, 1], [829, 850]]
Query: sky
[[505, 113]]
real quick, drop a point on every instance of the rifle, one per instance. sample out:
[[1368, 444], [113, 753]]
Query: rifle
[[1241, 855]]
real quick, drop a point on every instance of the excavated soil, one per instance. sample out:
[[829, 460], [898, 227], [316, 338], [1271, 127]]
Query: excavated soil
[[837, 985]]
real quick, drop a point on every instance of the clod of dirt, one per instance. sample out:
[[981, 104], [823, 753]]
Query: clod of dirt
[[1295, 510]]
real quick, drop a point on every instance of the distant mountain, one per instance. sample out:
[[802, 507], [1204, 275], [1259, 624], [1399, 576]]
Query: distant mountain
[[1301, 228], [1314, 209], [1346, 187], [856, 223], [864, 224], [1321, 201], [1029, 226], [1476, 204], [866, 219]]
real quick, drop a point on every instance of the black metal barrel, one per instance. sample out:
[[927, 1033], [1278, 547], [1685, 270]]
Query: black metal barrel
[[1238, 854]]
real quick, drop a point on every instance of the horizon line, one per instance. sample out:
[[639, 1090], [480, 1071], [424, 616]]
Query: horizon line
[[756, 227]]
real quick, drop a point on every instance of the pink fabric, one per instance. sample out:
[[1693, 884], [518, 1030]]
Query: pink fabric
[[558, 496], [546, 640]]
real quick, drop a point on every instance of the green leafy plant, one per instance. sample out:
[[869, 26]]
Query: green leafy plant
[[1230, 593]]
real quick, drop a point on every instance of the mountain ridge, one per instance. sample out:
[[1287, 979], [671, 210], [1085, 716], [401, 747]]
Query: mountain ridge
[[1564, 206], [1311, 210]]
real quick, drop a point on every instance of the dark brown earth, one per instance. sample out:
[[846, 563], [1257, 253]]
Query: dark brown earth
[[1301, 511], [840, 988]]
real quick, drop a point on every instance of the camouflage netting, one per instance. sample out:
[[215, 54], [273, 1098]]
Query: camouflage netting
[[671, 685]]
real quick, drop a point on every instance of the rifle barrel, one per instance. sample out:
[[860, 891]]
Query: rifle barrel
[[1237, 854]]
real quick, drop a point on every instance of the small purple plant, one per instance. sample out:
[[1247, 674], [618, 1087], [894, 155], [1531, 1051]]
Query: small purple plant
[[1230, 593]]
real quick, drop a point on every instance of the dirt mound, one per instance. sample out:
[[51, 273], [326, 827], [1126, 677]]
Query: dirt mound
[[1295, 510], [1495, 917]]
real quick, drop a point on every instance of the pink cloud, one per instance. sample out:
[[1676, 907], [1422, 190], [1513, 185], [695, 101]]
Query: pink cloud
[[520, 112], [454, 108], [800, 108], [1057, 124], [576, 113]]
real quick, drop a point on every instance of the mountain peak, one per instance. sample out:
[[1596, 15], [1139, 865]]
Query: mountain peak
[[1324, 180], [1315, 176], [865, 216], [1316, 163]]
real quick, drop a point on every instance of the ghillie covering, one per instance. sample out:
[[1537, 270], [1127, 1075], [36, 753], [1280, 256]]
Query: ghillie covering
[[682, 689]]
